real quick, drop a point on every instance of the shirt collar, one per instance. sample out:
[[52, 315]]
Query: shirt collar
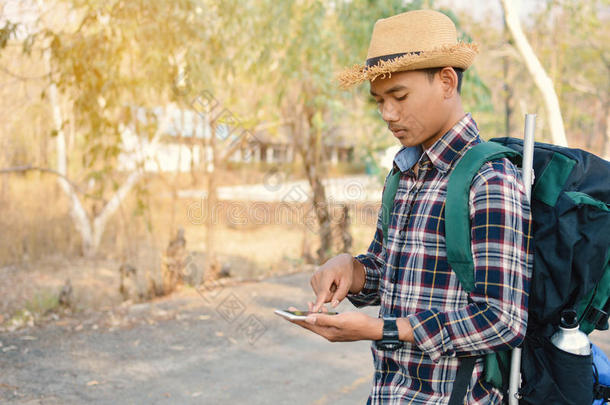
[[450, 146], [407, 157]]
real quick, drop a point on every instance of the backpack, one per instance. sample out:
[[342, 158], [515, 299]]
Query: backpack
[[571, 233]]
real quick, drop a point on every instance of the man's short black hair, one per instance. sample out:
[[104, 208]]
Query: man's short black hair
[[432, 71]]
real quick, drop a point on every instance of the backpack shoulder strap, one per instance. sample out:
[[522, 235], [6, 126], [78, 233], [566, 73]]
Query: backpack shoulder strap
[[387, 201], [457, 211], [594, 308]]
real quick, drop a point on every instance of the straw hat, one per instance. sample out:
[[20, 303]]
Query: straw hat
[[409, 41]]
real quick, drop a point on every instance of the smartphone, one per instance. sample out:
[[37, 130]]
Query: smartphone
[[299, 315]]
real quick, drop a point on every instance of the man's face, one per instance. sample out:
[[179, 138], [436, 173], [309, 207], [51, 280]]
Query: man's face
[[412, 106]]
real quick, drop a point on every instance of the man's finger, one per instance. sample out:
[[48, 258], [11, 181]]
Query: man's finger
[[321, 299], [310, 308], [313, 282], [339, 294]]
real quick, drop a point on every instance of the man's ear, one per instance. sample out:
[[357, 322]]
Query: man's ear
[[449, 82]]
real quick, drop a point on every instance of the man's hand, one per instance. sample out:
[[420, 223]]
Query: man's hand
[[352, 326], [334, 279], [345, 327]]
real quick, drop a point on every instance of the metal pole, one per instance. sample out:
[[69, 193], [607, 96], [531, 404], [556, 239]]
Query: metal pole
[[528, 153], [528, 160]]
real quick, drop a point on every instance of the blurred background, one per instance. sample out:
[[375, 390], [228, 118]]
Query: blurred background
[[147, 147], [173, 170]]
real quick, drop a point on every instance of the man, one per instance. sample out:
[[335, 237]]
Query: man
[[427, 323]]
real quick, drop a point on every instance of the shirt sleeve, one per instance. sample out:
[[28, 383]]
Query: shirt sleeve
[[374, 262], [495, 317]]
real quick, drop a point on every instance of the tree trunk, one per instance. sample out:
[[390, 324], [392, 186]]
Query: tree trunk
[[213, 268], [346, 235], [77, 211], [506, 87], [313, 162], [542, 80], [322, 211], [100, 220]]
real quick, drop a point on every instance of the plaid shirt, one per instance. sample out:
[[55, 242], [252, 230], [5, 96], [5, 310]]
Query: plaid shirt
[[410, 277]]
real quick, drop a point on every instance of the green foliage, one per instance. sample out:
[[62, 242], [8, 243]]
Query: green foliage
[[263, 59], [475, 94], [114, 56], [146, 54], [357, 20], [40, 303]]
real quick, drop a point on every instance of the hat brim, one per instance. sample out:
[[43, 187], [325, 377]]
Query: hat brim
[[459, 55]]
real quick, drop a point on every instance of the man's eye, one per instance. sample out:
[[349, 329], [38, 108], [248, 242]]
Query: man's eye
[[401, 98]]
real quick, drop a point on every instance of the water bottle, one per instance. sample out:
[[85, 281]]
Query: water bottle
[[569, 338]]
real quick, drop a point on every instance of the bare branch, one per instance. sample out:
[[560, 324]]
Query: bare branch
[[582, 86], [30, 168]]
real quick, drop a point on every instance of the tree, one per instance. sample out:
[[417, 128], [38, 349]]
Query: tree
[[575, 41], [215, 79], [299, 60], [116, 56], [542, 80]]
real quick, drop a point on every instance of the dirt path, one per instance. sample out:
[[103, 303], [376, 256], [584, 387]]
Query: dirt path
[[224, 346]]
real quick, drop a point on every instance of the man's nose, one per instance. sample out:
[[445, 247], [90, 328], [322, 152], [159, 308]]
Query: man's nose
[[389, 112]]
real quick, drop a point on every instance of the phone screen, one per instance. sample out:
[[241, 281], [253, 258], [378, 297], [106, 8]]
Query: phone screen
[[305, 313], [299, 315]]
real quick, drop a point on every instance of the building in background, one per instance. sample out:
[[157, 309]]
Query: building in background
[[185, 145]]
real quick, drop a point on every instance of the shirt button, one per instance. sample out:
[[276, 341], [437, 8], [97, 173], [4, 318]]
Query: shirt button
[[402, 233]]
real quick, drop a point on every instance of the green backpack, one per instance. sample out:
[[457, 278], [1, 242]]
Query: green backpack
[[569, 197]]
